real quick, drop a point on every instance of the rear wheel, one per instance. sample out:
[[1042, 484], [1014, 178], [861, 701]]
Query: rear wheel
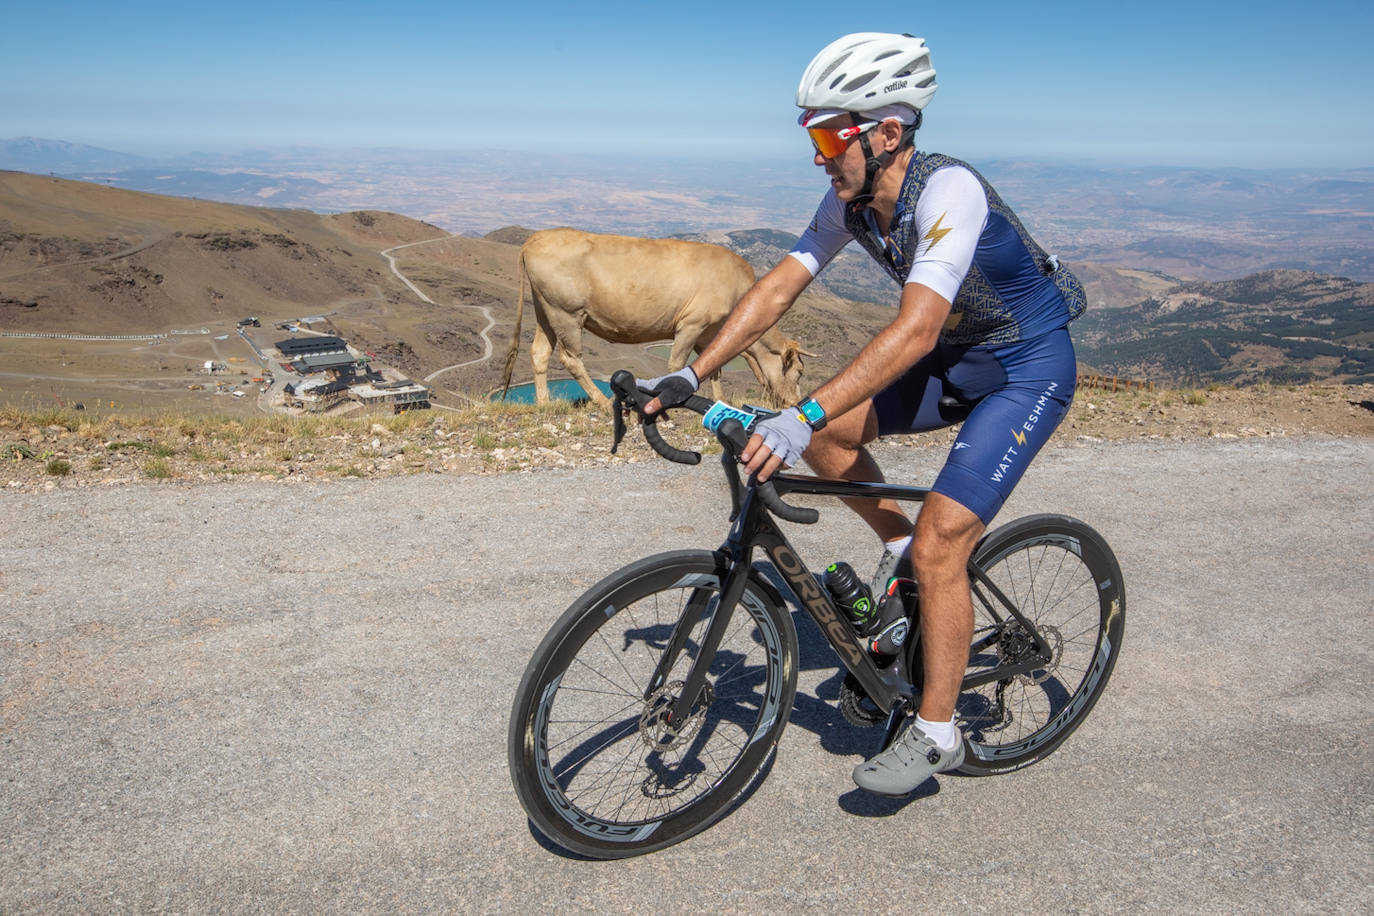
[[1062, 576], [597, 765]]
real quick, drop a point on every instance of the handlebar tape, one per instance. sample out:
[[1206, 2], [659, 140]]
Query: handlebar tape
[[731, 434]]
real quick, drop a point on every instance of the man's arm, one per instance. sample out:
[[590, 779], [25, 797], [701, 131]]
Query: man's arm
[[891, 352], [759, 309]]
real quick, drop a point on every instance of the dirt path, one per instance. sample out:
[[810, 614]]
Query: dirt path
[[485, 310]]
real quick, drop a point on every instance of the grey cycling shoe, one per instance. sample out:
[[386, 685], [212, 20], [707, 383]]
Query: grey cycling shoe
[[909, 761]]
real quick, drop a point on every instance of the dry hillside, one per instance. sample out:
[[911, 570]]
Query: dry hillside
[[84, 258], [80, 258]]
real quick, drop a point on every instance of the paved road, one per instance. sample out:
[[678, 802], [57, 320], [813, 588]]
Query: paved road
[[293, 698]]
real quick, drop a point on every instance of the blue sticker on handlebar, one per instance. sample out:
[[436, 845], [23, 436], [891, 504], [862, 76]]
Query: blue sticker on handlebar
[[721, 411]]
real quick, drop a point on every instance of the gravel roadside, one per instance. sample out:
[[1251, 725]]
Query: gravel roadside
[[291, 696]]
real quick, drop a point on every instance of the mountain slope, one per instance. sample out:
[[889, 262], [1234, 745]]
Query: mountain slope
[[82, 257], [1277, 326]]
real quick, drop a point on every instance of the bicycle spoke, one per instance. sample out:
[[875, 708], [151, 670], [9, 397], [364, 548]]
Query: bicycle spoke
[[1044, 567]]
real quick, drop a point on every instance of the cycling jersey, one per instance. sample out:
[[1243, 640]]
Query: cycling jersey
[[952, 232], [1004, 348]]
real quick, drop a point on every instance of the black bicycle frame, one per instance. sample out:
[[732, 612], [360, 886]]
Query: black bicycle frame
[[889, 687]]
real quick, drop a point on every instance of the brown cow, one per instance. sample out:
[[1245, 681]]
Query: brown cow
[[633, 290]]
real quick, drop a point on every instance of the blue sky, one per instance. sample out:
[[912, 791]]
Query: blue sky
[[1226, 83]]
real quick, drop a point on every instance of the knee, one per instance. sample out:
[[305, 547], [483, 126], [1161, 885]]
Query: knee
[[946, 533], [935, 555]]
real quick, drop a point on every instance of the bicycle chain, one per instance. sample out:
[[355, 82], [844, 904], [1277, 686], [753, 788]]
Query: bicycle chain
[[852, 704]]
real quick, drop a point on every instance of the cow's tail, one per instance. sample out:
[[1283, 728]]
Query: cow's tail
[[514, 349]]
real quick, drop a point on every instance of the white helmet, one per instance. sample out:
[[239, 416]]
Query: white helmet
[[868, 71]]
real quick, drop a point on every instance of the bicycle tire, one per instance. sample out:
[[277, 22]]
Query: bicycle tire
[[593, 764], [1063, 577]]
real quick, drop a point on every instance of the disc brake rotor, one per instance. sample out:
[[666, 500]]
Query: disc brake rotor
[[654, 728], [1039, 675]]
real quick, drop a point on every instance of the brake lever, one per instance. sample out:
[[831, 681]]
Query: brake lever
[[619, 410], [732, 475]]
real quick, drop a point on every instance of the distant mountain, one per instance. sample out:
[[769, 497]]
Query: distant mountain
[[1201, 223], [34, 154], [852, 275], [80, 257], [1281, 326], [1208, 224]]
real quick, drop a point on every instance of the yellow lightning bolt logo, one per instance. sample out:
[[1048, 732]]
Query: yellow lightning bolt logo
[[1019, 436], [936, 233]]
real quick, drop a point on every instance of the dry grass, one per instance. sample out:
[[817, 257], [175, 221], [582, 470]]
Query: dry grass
[[63, 447]]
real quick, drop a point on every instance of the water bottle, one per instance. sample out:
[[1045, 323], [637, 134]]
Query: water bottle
[[853, 597]]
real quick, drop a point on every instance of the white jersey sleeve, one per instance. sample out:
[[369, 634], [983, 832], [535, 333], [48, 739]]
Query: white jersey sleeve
[[824, 238], [950, 216]]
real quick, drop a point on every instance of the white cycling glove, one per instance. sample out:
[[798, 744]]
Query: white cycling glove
[[787, 435]]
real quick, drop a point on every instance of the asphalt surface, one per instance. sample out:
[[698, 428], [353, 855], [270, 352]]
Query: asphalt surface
[[277, 697]]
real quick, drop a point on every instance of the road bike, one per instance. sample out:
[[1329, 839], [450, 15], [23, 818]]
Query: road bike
[[654, 705]]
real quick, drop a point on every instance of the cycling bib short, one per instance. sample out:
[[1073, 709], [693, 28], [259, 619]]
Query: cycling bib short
[[1021, 392]]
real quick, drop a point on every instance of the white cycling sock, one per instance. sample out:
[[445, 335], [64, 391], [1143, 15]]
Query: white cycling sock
[[944, 734], [897, 546]]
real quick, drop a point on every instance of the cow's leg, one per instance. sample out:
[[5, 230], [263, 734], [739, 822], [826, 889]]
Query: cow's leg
[[687, 341], [541, 348], [568, 331]]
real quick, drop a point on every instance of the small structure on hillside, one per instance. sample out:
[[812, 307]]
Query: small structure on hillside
[[295, 347], [398, 395], [315, 395]]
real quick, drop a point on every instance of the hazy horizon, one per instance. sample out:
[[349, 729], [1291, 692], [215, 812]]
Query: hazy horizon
[[1184, 85], [251, 156]]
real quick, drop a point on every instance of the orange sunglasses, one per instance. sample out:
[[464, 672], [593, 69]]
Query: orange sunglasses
[[832, 141]]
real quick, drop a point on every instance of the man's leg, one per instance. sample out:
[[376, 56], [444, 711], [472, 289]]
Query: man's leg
[[946, 533], [838, 451], [995, 444]]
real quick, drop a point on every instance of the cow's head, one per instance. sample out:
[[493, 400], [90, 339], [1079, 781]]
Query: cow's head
[[777, 364]]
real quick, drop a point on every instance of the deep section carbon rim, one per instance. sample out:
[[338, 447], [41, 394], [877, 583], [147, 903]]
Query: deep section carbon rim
[[607, 773], [1063, 577]]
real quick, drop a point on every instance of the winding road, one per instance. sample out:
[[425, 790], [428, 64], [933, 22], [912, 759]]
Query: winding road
[[485, 310]]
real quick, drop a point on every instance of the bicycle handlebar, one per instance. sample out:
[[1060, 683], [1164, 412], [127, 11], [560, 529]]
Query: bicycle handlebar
[[731, 433]]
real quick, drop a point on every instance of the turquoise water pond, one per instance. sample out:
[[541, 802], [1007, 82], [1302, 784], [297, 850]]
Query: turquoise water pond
[[563, 389]]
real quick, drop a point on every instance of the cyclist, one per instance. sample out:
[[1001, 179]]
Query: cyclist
[[982, 318]]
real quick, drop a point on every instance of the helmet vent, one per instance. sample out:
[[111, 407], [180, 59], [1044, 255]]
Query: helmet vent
[[860, 81], [834, 65]]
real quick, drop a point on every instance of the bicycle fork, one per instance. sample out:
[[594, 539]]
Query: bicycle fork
[[733, 589]]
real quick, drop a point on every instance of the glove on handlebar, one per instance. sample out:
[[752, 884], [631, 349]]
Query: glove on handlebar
[[674, 388], [786, 435]]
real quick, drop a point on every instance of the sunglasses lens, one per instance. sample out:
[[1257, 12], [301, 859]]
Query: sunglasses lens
[[827, 142]]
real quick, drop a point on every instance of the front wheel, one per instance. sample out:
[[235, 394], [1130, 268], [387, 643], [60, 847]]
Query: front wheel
[[595, 761], [1061, 575]]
